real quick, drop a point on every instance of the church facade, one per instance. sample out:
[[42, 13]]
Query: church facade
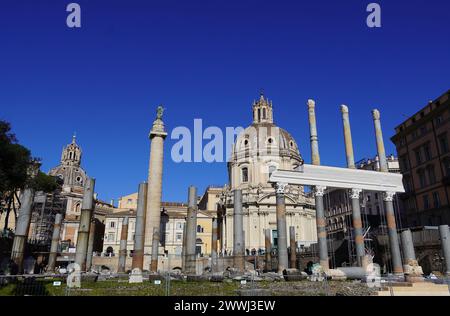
[[74, 178], [260, 149]]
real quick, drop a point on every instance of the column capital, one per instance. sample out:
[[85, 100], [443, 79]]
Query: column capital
[[388, 196], [376, 114], [344, 109], [158, 129], [158, 125], [280, 187], [319, 190], [354, 193], [311, 104]]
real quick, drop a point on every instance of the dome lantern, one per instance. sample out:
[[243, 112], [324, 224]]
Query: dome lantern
[[262, 110]]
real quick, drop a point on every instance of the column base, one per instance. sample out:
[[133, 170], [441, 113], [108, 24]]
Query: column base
[[325, 265], [136, 276]]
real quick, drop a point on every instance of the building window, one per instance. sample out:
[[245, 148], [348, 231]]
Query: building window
[[407, 182], [423, 130], [426, 150], [422, 179], [112, 224], [264, 113], [179, 236], [180, 226], [418, 157], [431, 175], [439, 120], [412, 204], [443, 143], [447, 167], [376, 196], [426, 202], [244, 175], [436, 200], [200, 229], [111, 237], [404, 163]]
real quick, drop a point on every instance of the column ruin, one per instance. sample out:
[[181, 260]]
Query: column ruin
[[87, 209]]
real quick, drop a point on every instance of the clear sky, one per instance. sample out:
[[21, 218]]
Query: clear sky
[[209, 59]]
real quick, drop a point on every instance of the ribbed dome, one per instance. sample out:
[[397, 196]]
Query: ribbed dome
[[266, 139]]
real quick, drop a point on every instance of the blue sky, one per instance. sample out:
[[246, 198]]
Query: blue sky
[[209, 59]]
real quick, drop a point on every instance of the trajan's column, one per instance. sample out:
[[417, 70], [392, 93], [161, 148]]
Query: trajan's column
[[153, 212]]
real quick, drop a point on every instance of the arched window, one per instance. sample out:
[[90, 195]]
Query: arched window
[[245, 175], [199, 229], [264, 113]]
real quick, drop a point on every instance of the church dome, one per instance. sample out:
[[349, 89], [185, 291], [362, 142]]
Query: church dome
[[267, 139], [70, 170], [263, 137], [261, 148]]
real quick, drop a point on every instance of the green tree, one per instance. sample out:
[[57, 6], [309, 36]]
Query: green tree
[[15, 165]]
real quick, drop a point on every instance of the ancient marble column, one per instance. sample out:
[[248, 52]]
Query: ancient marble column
[[293, 246], [22, 228], [445, 241], [315, 157], [354, 193], [238, 232], [358, 226], [138, 251], [155, 247], [318, 191], [393, 235], [183, 249], [408, 247], [348, 138], [55, 242], [380, 142], [268, 246], [191, 232], [90, 249], [283, 261], [87, 209], [123, 246], [214, 245], [154, 193], [388, 199]]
